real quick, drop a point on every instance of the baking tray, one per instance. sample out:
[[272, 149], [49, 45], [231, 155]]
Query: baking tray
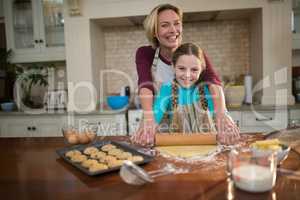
[[135, 151]]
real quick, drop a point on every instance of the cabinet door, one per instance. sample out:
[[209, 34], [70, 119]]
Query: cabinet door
[[134, 120], [21, 26], [53, 23], [11, 127], [34, 30], [236, 116], [48, 126], [264, 121], [294, 117]]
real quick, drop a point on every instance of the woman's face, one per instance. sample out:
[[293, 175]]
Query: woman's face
[[187, 70], [169, 29]]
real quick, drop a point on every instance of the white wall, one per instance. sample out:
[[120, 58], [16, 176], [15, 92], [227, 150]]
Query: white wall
[[276, 37]]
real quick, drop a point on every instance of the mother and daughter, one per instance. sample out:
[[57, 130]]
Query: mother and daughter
[[187, 90]]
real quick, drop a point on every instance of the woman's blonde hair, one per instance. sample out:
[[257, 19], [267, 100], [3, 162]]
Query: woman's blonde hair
[[151, 22]]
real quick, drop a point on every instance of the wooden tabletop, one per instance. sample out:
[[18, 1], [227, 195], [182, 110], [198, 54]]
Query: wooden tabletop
[[31, 169]]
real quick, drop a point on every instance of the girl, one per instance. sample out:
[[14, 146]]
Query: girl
[[187, 97]]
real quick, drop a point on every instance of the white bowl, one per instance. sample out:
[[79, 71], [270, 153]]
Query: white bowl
[[281, 154]]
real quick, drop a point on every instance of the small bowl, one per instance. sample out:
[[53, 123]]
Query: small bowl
[[281, 154], [73, 136], [117, 102], [8, 106]]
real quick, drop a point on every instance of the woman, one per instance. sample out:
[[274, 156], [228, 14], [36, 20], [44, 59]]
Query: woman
[[164, 31]]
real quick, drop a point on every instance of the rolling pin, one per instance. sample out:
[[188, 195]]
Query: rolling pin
[[185, 139]]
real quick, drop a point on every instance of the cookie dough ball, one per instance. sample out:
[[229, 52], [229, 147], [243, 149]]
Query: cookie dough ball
[[72, 153], [124, 155], [136, 158], [98, 167], [108, 147], [98, 155], [115, 152], [79, 158], [89, 163], [109, 158], [90, 150], [115, 163]]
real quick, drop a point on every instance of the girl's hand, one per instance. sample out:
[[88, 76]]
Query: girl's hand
[[228, 132], [145, 134]]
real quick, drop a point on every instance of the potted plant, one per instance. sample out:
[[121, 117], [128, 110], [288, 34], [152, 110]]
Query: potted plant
[[28, 77]]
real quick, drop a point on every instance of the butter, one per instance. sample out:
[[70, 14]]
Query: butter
[[273, 144]]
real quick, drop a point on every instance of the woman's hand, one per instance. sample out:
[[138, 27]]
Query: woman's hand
[[228, 132], [145, 134]]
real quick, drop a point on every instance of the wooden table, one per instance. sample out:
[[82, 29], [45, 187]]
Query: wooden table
[[31, 169]]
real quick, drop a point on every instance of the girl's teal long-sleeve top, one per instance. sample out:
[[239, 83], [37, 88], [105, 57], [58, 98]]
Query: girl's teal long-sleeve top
[[186, 96]]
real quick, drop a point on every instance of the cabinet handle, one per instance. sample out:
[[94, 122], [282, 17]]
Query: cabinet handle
[[36, 41], [29, 128], [137, 119], [264, 119], [33, 128], [41, 41]]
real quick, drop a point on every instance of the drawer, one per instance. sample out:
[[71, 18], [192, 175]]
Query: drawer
[[272, 119]]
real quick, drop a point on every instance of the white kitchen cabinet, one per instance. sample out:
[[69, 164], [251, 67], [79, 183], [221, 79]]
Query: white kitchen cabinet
[[134, 119], [31, 126], [294, 117], [263, 121], [35, 30], [104, 125], [236, 116]]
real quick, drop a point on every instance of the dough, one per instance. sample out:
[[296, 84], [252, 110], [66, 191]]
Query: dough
[[108, 147], [90, 150], [136, 158], [98, 155], [115, 163], [124, 155], [115, 152], [98, 167], [72, 153], [187, 151], [78, 158], [88, 163]]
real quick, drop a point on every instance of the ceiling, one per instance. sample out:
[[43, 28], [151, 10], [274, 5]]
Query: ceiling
[[188, 17]]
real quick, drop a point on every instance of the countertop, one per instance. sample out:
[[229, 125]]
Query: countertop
[[30, 169], [123, 111]]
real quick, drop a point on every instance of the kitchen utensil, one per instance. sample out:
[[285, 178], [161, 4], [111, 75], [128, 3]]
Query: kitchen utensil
[[185, 139], [117, 102], [56, 100], [248, 89], [250, 172], [135, 175], [98, 144], [8, 106]]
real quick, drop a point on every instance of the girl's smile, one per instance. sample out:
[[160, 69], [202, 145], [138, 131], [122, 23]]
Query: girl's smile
[[187, 70]]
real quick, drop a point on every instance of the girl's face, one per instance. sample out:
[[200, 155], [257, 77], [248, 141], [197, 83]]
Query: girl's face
[[187, 70], [169, 29]]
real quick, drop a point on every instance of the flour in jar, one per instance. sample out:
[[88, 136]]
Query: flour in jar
[[254, 178]]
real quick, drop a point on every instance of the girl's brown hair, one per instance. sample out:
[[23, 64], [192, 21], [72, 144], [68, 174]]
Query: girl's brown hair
[[189, 49], [151, 22]]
